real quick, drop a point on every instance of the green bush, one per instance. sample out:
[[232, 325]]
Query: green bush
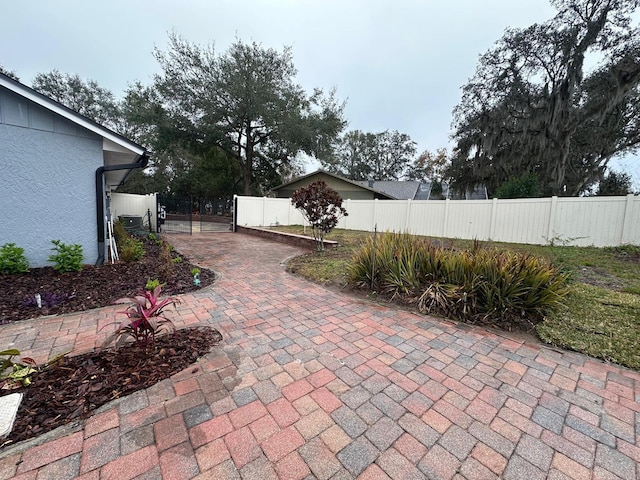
[[119, 232], [12, 259], [131, 249], [469, 285], [526, 186], [68, 258]]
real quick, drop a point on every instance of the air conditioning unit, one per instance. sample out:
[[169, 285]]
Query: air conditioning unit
[[131, 223]]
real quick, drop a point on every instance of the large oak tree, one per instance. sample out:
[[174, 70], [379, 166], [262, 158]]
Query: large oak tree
[[533, 107], [246, 101], [86, 97], [371, 156]]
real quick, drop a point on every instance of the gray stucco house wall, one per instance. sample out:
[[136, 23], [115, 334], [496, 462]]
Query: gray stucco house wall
[[48, 189], [49, 184]]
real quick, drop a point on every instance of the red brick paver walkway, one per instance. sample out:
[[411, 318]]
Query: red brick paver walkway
[[310, 383]]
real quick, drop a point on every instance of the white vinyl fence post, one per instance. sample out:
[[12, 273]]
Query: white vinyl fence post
[[445, 220], [626, 222], [264, 211], [375, 214], [407, 220], [494, 213], [551, 233], [347, 207]]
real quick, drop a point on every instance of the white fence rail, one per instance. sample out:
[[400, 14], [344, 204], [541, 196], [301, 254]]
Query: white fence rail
[[597, 221], [137, 205]]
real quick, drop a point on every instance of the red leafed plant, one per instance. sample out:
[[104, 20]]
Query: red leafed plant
[[322, 206], [145, 318]]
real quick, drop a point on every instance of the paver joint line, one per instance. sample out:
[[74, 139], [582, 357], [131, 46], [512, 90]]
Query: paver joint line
[[311, 383]]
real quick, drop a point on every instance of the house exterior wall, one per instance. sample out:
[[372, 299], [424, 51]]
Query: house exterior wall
[[47, 180], [344, 189]]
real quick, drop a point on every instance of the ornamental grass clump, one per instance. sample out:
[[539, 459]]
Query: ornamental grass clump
[[472, 285], [131, 249]]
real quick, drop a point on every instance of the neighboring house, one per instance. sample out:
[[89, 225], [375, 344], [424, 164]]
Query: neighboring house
[[370, 189], [57, 171], [347, 189], [414, 190]]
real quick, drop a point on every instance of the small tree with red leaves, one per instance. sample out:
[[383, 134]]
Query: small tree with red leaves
[[322, 206]]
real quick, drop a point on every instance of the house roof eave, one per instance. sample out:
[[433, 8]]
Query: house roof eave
[[376, 192], [71, 115]]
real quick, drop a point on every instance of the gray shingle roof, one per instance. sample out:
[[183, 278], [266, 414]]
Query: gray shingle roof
[[400, 190]]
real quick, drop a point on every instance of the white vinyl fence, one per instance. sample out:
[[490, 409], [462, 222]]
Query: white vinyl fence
[[135, 205], [597, 221]]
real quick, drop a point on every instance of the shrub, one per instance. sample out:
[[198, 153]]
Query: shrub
[[152, 284], [119, 232], [145, 319], [321, 206], [526, 186], [12, 259], [468, 285], [68, 258], [131, 249]]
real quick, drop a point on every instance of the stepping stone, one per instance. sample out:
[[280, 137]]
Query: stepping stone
[[8, 409]]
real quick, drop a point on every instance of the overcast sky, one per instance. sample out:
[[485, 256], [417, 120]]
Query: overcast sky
[[398, 63]]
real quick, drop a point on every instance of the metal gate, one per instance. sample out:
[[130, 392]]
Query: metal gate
[[179, 214]]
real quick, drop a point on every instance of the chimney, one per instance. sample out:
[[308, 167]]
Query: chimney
[[370, 183]]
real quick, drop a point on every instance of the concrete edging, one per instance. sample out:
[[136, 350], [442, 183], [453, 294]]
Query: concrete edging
[[288, 238]]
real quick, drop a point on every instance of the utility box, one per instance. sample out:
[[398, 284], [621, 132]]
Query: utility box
[[131, 223]]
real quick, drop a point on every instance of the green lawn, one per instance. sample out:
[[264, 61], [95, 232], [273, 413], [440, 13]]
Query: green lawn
[[600, 316]]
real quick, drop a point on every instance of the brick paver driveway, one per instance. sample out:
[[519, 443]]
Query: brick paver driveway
[[310, 383]]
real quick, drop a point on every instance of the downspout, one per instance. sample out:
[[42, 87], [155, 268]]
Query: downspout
[[141, 163]]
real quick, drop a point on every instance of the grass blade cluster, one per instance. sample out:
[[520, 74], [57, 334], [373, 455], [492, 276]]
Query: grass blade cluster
[[472, 285], [598, 322]]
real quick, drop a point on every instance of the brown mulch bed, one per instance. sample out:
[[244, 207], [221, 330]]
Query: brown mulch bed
[[72, 389], [93, 286], [75, 386]]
